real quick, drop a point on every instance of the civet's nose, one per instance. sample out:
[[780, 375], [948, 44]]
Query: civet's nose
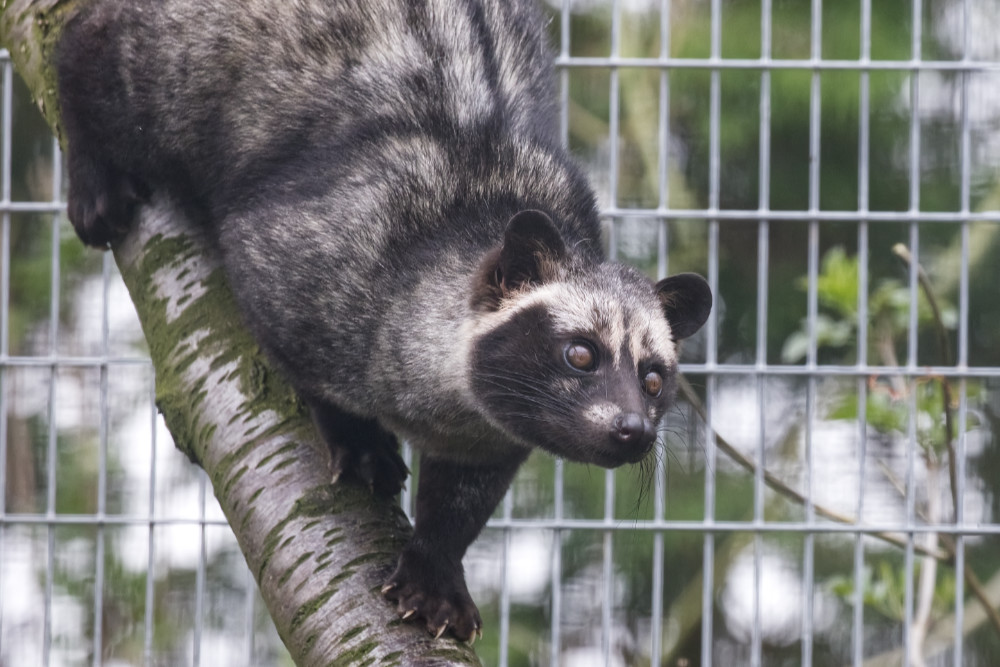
[[633, 429]]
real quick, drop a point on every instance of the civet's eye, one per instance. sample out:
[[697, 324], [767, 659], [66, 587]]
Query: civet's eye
[[580, 356], [652, 383]]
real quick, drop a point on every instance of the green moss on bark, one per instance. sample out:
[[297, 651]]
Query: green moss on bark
[[30, 30], [197, 328]]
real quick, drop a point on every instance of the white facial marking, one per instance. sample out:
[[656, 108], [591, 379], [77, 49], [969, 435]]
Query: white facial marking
[[601, 414], [578, 311], [663, 345]]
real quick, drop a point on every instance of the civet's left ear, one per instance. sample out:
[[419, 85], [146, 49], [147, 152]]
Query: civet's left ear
[[532, 244], [687, 301]]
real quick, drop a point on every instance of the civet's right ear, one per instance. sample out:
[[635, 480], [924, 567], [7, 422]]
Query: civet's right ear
[[687, 302]]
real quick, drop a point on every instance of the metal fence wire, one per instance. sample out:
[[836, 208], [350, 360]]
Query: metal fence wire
[[827, 489]]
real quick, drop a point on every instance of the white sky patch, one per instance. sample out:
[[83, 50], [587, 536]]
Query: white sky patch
[[529, 562], [780, 599]]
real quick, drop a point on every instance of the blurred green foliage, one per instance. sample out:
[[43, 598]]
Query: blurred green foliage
[[884, 589]]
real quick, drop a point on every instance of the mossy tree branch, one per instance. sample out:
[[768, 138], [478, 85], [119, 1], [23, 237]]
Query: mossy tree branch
[[319, 552]]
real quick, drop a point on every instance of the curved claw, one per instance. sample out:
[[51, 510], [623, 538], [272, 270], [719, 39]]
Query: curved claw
[[435, 599]]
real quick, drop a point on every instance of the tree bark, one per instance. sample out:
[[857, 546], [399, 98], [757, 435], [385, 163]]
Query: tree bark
[[319, 552]]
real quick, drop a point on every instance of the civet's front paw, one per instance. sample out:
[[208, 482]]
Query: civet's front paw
[[101, 201], [435, 596]]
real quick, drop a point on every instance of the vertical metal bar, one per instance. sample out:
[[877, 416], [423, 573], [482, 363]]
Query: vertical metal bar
[[862, 405], [102, 467], [763, 261], [963, 340], [756, 639], [55, 292], [662, 248], [613, 105], [556, 622], [713, 165], [864, 155], [607, 569], [150, 609], [5, 177], [50, 513], [564, 36], [663, 145], [4, 406], [5, 167], [248, 617], [555, 642], [613, 129], [808, 556], [711, 337], [54, 296], [659, 493], [708, 550], [858, 594], [808, 562], [764, 183], [959, 514], [199, 581], [965, 197], [909, 561], [508, 511], [815, 125], [864, 148], [911, 353], [98, 641], [609, 477], [914, 178], [662, 267], [764, 187], [8, 113], [714, 108]]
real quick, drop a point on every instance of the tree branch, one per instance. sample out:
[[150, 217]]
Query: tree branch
[[320, 552]]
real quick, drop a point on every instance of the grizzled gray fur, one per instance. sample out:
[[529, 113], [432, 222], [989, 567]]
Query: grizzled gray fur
[[403, 231]]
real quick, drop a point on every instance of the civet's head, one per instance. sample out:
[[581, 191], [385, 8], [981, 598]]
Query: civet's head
[[576, 356]]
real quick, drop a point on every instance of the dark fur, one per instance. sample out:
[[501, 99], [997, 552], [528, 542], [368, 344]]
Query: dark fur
[[385, 184]]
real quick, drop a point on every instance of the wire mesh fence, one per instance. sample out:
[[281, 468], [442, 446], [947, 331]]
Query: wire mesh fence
[[827, 489]]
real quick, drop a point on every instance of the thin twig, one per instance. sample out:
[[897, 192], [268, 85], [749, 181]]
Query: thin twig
[[975, 585], [947, 555], [904, 254], [971, 580], [948, 543], [928, 570]]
